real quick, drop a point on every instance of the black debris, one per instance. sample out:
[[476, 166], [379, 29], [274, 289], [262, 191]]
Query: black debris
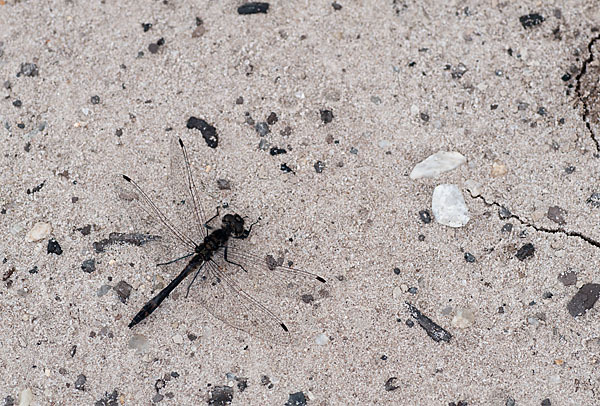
[[326, 116], [307, 298], [319, 166], [584, 299], [28, 69], [220, 396], [525, 252], [89, 265], [510, 402], [223, 184], [271, 262], [458, 71], [594, 200], [73, 351], [390, 384], [413, 290], [569, 170], [531, 20], [425, 117], [109, 399], [159, 384], [409, 323], [239, 100], [547, 295], [568, 278], [33, 270], [17, 103], [262, 128], [285, 168], [138, 239], [95, 99], [566, 77], [336, 6], [36, 188], [425, 216], [296, 399], [493, 106], [272, 119], [80, 382], [9, 401], [507, 228], [8, 274], [265, 380], [546, 402], [119, 132], [277, 151], [504, 213], [253, 8], [469, 257], [209, 133], [397, 271], [123, 290], [556, 214], [146, 26], [433, 330], [542, 111], [54, 247]]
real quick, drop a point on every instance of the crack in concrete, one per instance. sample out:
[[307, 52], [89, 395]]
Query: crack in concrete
[[586, 109], [559, 230]]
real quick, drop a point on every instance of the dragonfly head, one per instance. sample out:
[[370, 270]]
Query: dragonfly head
[[234, 223]]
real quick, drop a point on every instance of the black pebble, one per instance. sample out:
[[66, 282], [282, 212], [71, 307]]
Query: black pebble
[[153, 48], [531, 20], [95, 99], [33, 270], [326, 116], [54, 247], [425, 117], [410, 323], [253, 8], [272, 119], [566, 77], [525, 252], [433, 330], [584, 299], [507, 228], [390, 384], [319, 166], [504, 213], [469, 257], [86, 230], [239, 100], [119, 132], [277, 151], [336, 6], [28, 69], [296, 399], [397, 271], [425, 216], [209, 133], [80, 382], [89, 265], [285, 168], [17, 103], [546, 402], [146, 26]]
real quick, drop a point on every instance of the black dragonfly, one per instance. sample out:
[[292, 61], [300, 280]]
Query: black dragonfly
[[235, 285]]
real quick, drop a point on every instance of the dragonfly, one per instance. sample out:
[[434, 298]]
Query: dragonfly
[[233, 282]]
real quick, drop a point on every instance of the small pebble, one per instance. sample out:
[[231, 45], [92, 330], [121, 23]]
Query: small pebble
[[253, 8], [28, 69], [263, 144], [89, 265], [531, 20], [239, 100], [556, 214], [209, 132], [504, 213], [104, 289], [157, 398], [568, 278], [54, 247], [296, 399], [95, 99], [138, 342], [322, 339], [262, 128], [436, 164], [123, 290], [390, 384], [146, 26], [525, 252], [272, 119], [223, 184], [319, 166], [425, 216], [326, 116], [17, 103], [80, 382], [463, 318], [584, 299], [336, 6], [546, 402], [26, 397], [449, 207], [39, 231], [498, 169]]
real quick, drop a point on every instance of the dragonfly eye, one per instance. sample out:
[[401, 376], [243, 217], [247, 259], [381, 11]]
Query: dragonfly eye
[[235, 223]]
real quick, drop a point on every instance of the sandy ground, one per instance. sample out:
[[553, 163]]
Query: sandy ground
[[403, 79]]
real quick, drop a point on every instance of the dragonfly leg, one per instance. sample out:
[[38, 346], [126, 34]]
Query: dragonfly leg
[[246, 233], [231, 262], [175, 260], [211, 219], [187, 292]]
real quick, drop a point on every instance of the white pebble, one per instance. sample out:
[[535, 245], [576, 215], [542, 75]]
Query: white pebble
[[26, 397], [38, 232], [397, 292], [178, 339], [463, 318], [436, 164], [448, 206], [322, 339], [138, 342]]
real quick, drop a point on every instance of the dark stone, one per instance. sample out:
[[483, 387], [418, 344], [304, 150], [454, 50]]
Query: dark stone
[[220, 396], [239, 100], [307, 298], [157, 398], [390, 384], [507, 228], [510, 402], [584, 299], [146, 26], [272, 119], [504, 213], [54, 247], [262, 128], [458, 71], [412, 290], [556, 214], [123, 290], [86, 230], [566, 77], [569, 170], [425, 216], [594, 200], [95, 99], [531, 20], [9, 401], [253, 8], [89, 265], [326, 116], [546, 402], [425, 117], [469, 257], [542, 111], [296, 399], [17, 103], [153, 48], [109, 399], [277, 151], [433, 330], [568, 278], [209, 133], [223, 184], [397, 271], [336, 6], [28, 69], [409, 323], [119, 132], [80, 382], [319, 166], [525, 252], [242, 384]]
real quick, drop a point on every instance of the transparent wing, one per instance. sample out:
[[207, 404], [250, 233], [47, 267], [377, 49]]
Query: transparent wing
[[139, 203], [188, 207], [256, 296]]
